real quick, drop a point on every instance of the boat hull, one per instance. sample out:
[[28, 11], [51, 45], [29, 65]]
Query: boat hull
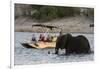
[[40, 45]]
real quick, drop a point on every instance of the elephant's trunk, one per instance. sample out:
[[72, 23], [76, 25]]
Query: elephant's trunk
[[56, 50]]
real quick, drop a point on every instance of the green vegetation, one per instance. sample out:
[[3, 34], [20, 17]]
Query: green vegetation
[[47, 13], [44, 13]]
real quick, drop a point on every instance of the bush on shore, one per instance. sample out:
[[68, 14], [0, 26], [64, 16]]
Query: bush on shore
[[47, 13]]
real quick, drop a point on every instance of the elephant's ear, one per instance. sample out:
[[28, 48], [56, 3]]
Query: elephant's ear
[[69, 36]]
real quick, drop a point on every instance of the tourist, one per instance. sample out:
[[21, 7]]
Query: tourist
[[34, 41], [41, 37], [49, 38]]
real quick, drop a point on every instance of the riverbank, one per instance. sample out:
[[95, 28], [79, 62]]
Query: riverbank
[[77, 24]]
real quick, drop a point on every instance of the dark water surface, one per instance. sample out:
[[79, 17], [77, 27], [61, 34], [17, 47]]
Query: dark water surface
[[24, 56]]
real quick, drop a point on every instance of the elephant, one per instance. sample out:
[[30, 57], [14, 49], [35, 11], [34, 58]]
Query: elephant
[[72, 44]]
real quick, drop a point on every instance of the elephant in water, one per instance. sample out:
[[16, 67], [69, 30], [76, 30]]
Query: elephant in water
[[78, 44]]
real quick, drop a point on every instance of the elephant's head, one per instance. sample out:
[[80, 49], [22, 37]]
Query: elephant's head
[[62, 41]]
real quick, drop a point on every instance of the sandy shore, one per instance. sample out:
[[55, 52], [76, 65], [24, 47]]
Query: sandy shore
[[68, 24]]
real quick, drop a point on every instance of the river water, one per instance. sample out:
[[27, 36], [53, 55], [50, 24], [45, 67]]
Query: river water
[[25, 56]]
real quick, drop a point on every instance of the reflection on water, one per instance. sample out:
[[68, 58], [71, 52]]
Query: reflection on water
[[24, 56]]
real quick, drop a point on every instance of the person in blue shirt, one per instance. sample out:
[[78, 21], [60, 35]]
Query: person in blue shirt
[[33, 38], [34, 41]]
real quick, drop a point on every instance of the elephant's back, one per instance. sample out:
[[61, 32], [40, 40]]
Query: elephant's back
[[84, 43], [79, 44]]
